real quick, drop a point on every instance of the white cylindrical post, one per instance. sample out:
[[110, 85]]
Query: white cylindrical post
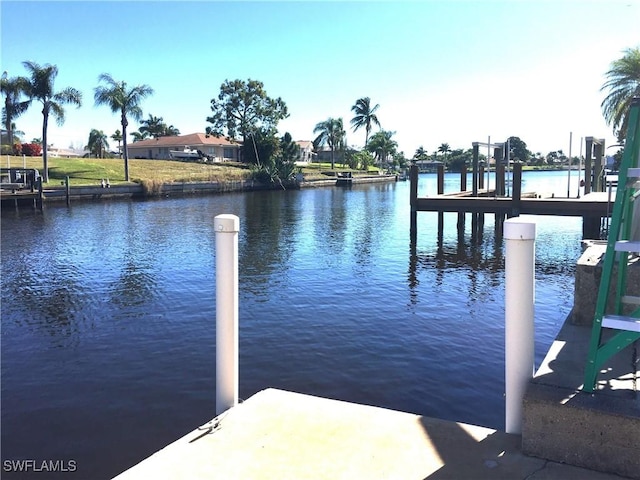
[[519, 238], [226, 228]]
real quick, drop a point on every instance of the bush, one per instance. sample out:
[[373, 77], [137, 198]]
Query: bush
[[6, 149], [31, 149]]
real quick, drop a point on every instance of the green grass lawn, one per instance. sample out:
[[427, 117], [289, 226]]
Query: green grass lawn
[[90, 171]]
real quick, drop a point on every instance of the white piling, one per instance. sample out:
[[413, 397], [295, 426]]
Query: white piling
[[226, 228], [519, 238]]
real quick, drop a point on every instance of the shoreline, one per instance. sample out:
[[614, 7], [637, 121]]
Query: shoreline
[[167, 190]]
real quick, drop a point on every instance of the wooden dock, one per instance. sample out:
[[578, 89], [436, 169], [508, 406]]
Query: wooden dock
[[592, 207]]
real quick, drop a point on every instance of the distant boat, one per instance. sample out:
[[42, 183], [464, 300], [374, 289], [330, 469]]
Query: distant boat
[[185, 153]]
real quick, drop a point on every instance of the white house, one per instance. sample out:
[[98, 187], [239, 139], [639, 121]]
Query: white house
[[218, 148], [306, 153]]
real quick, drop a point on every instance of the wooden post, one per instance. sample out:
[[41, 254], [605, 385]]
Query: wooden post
[[598, 150], [440, 179], [67, 189], [500, 182], [440, 192], [587, 164], [474, 174], [413, 201], [499, 188], [480, 178], [463, 188], [40, 196], [591, 227], [517, 190]]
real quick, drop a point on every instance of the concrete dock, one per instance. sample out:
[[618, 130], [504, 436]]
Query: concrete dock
[[285, 435], [567, 433]]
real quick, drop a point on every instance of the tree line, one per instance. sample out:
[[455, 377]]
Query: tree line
[[243, 111]]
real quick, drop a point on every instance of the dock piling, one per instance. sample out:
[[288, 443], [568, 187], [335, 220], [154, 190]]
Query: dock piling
[[413, 198], [519, 238], [226, 227]]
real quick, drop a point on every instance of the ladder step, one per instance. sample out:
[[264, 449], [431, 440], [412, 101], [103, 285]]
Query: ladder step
[[633, 173], [620, 322], [628, 246], [630, 300]]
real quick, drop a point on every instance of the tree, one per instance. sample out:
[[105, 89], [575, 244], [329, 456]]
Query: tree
[[117, 137], [421, 154], [460, 158], [519, 150], [170, 131], [362, 160], [289, 150], [382, 145], [243, 108], [97, 143], [444, 149], [125, 101], [365, 116], [156, 127], [152, 127], [13, 89], [260, 147], [137, 136], [40, 87], [623, 83], [330, 133]]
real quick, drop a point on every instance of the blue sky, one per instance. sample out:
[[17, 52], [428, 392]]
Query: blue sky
[[442, 71]]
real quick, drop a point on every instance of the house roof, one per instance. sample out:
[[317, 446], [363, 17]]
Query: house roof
[[304, 143], [191, 140]]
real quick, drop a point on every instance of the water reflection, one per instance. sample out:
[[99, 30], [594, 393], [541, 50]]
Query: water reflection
[[332, 303]]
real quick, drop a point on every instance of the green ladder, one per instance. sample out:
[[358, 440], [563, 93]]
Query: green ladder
[[624, 320]]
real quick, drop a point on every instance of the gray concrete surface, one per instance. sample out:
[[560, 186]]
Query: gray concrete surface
[[282, 435], [587, 282], [600, 431]]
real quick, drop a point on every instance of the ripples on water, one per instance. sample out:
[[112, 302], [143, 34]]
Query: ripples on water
[[108, 314]]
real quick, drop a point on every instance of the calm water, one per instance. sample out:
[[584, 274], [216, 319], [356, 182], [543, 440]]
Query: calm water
[[108, 313]]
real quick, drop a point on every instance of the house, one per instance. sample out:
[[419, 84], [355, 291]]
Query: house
[[218, 149], [324, 155], [306, 153], [67, 152]]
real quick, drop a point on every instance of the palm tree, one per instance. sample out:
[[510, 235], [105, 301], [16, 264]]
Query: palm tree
[[421, 154], [14, 106], [125, 101], [331, 133], [153, 127], [623, 83], [117, 137], [382, 145], [17, 134], [444, 149], [365, 116], [170, 131], [137, 136], [97, 143], [40, 87]]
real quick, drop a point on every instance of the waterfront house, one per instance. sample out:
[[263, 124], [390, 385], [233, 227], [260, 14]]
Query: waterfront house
[[218, 149], [67, 152], [324, 155], [428, 165], [306, 152]]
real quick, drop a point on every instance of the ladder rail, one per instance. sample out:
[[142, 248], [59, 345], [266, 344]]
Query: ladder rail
[[619, 230]]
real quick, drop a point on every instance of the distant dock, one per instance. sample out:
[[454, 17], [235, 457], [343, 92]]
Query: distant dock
[[592, 207]]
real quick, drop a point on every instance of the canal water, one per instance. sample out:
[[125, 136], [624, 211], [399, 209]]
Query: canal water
[[108, 313]]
